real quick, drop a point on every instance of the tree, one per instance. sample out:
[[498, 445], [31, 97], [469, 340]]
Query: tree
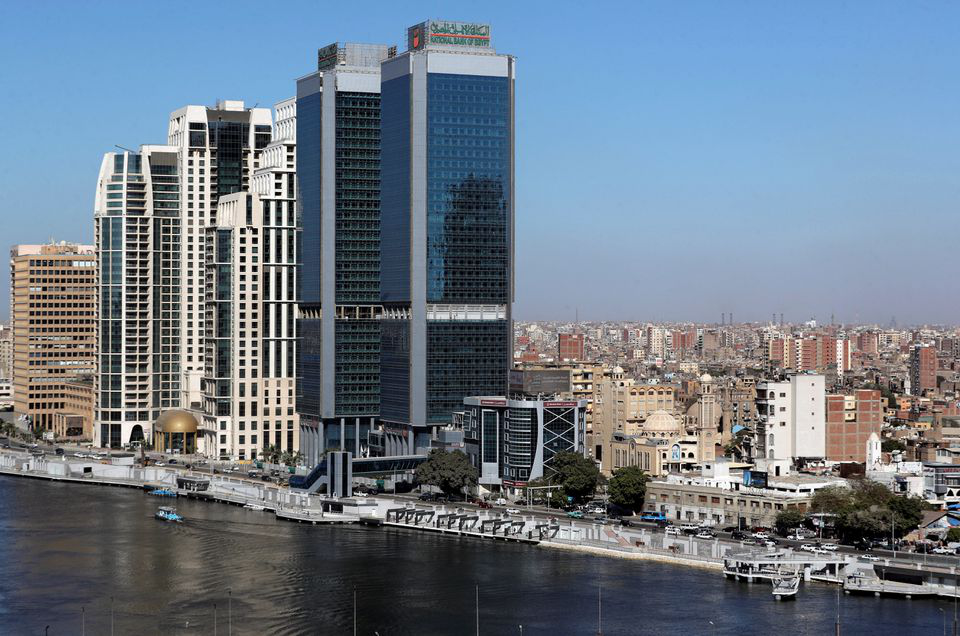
[[628, 488], [891, 445], [831, 500], [577, 474], [787, 520], [272, 454], [953, 535], [450, 472]]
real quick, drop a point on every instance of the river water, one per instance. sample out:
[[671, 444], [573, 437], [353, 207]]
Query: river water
[[66, 549]]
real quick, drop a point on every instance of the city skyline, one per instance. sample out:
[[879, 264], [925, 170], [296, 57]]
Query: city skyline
[[829, 134]]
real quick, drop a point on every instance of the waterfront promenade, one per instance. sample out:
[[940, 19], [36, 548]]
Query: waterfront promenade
[[532, 527]]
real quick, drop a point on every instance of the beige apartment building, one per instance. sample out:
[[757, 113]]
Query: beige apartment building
[[622, 406], [53, 312]]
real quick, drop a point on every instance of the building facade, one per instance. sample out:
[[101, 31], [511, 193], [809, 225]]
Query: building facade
[[219, 149], [53, 310], [923, 369], [338, 172], [137, 226], [570, 347], [514, 441], [6, 352], [851, 420], [249, 359], [447, 134], [791, 418]]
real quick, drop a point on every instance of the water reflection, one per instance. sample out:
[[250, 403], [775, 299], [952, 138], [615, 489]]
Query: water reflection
[[67, 547]]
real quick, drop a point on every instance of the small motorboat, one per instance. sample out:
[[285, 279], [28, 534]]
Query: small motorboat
[[162, 492], [165, 513], [785, 585], [257, 507]]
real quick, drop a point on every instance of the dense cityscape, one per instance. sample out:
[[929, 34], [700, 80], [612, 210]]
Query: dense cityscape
[[307, 311]]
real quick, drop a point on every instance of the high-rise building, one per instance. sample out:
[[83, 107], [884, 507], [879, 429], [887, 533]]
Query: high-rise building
[[923, 368], [53, 310], [570, 347], [219, 149], [447, 136], [153, 211], [249, 378], [851, 420], [138, 235], [338, 172]]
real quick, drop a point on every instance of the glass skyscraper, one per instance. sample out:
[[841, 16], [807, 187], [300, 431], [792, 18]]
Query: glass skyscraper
[[447, 209], [338, 173]]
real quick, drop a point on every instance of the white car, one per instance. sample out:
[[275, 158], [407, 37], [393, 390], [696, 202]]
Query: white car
[[673, 530], [943, 551], [817, 550], [513, 511], [360, 493], [869, 557], [161, 464], [80, 455], [501, 502], [761, 535], [832, 547], [808, 547]]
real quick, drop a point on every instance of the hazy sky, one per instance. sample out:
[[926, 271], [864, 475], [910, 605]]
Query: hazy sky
[[675, 160]]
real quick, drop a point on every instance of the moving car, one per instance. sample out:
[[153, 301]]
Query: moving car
[[705, 534], [513, 511], [674, 530], [738, 535], [575, 514], [427, 496]]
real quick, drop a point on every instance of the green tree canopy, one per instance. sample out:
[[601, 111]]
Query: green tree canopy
[[868, 509], [577, 474], [450, 472], [953, 535], [628, 488], [890, 445], [787, 520]]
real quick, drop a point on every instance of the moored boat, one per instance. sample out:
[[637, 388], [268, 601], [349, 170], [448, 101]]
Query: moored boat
[[786, 586], [162, 492]]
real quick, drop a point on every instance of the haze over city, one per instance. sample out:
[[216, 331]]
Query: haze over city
[[674, 160]]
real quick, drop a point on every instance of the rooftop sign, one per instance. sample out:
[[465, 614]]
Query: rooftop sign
[[441, 32]]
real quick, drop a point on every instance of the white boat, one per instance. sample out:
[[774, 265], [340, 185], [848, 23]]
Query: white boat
[[254, 507], [785, 585]]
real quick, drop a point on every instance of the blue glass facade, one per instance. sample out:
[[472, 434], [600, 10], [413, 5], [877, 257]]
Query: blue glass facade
[[395, 190], [468, 189]]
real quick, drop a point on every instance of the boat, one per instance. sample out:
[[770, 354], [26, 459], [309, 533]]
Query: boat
[[785, 585], [254, 507], [165, 513], [162, 492]]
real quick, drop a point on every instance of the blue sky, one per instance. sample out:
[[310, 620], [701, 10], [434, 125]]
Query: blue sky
[[675, 160]]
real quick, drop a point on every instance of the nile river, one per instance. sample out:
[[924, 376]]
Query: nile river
[[66, 549]]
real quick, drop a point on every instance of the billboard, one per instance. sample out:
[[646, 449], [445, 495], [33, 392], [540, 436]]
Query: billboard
[[755, 478], [328, 56], [441, 32]]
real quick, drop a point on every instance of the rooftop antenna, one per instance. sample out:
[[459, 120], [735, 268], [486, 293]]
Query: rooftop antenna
[[122, 148]]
